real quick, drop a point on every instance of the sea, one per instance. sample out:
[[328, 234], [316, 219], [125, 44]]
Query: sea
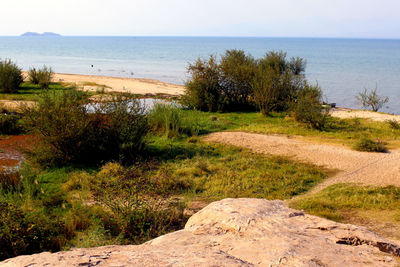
[[341, 67]]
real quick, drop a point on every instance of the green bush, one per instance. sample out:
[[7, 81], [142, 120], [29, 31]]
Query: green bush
[[41, 77], [369, 145], [68, 132], [308, 108], [10, 124], [203, 90], [240, 82], [27, 234], [10, 77]]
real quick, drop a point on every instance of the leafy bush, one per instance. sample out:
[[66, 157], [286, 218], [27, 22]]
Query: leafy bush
[[371, 99], [10, 76], [69, 132], [369, 145], [203, 90], [240, 82], [10, 124], [308, 108], [27, 234], [394, 124], [42, 76], [171, 120]]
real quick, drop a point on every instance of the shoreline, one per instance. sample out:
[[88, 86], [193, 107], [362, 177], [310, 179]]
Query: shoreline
[[118, 84]]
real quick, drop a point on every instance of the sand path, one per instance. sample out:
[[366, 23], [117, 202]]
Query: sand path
[[380, 169]]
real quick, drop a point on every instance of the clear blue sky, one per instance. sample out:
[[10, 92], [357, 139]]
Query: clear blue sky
[[277, 18]]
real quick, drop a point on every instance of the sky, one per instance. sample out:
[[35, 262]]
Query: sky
[[263, 18]]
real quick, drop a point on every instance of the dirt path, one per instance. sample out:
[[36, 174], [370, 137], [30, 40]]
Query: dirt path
[[378, 169]]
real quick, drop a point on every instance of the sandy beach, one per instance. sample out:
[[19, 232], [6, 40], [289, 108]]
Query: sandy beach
[[117, 84], [347, 113]]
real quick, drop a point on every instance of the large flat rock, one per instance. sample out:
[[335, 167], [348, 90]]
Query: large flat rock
[[240, 232]]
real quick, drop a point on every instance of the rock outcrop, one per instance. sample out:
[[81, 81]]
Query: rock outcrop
[[240, 232]]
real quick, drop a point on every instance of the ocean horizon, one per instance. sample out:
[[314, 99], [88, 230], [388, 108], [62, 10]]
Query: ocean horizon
[[341, 66]]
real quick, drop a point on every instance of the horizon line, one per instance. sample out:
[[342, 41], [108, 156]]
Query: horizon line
[[216, 36]]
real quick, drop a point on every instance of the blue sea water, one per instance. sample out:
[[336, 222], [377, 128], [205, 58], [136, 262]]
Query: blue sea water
[[342, 67]]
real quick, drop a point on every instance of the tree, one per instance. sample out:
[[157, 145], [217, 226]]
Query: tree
[[371, 99]]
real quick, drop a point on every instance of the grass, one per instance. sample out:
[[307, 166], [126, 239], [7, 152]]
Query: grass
[[214, 172], [377, 208], [31, 92], [339, 131]]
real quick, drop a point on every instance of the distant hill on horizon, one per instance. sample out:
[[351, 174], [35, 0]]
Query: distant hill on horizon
[[40, 34]]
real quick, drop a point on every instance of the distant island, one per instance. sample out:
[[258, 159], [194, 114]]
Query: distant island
[[40, 34]]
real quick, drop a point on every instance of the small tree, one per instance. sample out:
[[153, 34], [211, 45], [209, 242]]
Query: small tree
[[371, 99], [10, 76]]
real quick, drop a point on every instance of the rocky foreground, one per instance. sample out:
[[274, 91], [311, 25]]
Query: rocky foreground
[[240, 232]]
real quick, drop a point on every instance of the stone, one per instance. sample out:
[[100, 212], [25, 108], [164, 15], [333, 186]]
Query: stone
[[240, 232]]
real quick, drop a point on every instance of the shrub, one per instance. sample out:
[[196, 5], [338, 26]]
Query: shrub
[[27, 234], [394, 124], [308, 108], [236, 74], [33, 75], [240, 82], [42, 76], [128, 194], [368, 145], [203, 90], [10, 124], [371, 99], [68, 132], [10, 76]]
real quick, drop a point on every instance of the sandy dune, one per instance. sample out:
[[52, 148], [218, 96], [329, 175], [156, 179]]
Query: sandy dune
[[379, 169], [346, 113], [116, 84]]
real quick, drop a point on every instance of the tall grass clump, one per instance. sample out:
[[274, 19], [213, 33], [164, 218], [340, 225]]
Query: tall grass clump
[[69, 132], [10, 76], [170, 120], [41, 77]]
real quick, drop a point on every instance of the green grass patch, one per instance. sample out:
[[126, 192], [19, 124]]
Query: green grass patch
[[31, 92], [338, 131], [375, 207], [215, 171]]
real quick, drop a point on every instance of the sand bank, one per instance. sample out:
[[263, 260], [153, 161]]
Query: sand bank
[[346, 113], [117, 84]]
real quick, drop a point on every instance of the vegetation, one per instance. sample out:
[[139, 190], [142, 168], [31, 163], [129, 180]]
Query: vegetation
[[395, 125], [68, 132], [10, 77], [371, 99], [308, 109], [240, 82], [11, 124], [41, 77], [171, 120], [369, 145], [375, 207]]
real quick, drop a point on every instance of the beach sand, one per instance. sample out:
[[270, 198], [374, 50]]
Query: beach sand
[[117, 84], [347, 113]]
